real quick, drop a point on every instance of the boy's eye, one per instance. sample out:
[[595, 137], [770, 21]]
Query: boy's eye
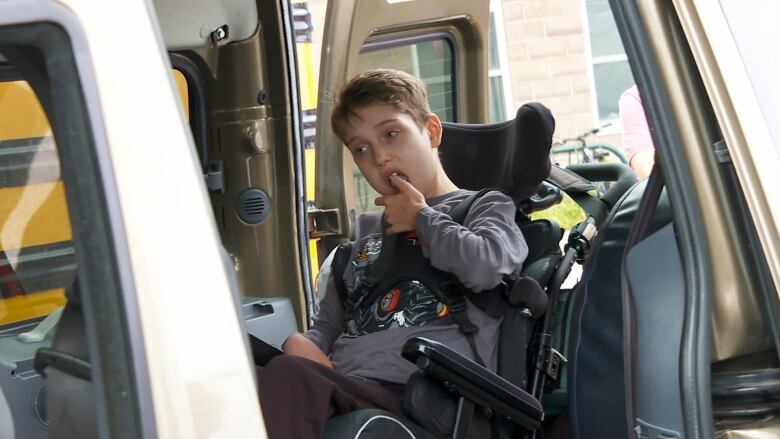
[[360, 149], [392, 133]]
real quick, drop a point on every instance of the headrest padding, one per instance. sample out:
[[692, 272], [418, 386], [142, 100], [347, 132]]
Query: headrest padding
[[512, 155]]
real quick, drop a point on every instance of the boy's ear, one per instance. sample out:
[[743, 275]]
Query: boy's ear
[[433, 125]]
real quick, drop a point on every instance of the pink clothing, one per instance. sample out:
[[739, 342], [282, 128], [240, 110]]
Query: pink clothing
[[636, 133]]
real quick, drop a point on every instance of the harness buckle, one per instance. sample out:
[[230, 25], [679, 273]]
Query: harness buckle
[[359, 293], [552, 365]]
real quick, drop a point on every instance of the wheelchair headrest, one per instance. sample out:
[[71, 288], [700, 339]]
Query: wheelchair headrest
[[513, 155]]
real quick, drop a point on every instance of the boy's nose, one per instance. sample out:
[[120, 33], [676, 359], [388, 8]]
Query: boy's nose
[[381, 156]]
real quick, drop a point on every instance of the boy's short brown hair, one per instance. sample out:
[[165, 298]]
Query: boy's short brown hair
[[381, 86]]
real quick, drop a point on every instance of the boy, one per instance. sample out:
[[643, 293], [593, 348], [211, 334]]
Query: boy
[[351, 359]]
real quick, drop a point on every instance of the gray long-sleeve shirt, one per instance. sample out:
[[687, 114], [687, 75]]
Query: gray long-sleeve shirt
[[487, 247]]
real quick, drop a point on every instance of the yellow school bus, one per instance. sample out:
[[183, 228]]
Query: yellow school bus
[[36, 264]]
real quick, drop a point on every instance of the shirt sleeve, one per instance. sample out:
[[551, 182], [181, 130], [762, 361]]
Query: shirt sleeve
[[329, 321], [636, 132], [481, 252]]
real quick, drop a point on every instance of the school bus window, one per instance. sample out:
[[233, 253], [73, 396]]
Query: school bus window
[[36, 250], [432, 61]]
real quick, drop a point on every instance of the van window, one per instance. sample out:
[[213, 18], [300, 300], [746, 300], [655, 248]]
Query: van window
[[36, 248], [59, 236], [431, 60]]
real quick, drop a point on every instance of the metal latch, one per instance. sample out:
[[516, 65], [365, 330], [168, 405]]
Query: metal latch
[[219, 36], [323, 222], [721, 152], [552, 365], [215, 176]]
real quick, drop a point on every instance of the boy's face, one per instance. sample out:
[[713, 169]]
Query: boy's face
[[384, 141]]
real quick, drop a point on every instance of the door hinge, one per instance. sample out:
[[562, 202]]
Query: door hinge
[[323, 222]]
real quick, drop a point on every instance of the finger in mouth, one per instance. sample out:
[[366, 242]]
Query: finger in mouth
[[397, 174]]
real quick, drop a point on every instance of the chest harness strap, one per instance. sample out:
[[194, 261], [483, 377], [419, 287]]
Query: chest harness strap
[[398, 260]]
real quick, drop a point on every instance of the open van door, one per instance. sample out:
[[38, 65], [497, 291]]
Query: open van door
[[442, 42]]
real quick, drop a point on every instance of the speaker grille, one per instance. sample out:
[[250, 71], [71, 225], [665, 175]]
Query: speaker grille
[[253, 205]]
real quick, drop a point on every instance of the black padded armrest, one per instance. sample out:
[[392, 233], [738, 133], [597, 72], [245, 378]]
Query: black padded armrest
[[474, 382]]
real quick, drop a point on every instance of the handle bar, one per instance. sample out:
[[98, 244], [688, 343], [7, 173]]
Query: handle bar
[[621, 174]]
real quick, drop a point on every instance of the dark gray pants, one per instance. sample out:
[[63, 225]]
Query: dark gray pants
[[298, 396]]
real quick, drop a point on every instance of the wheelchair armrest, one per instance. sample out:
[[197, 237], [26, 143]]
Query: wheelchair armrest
[[474, 382]]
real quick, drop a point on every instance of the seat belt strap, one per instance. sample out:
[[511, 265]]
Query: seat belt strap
[[374, 273], [384, 261], [338, 266], [457, 306], [459, 212]]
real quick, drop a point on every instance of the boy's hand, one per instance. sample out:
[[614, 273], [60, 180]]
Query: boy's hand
[[401, 209], [301, 346]]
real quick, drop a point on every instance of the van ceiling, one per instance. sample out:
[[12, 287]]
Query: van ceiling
[[188, 24]]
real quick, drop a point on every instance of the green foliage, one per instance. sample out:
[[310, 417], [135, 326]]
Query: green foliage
[[567, 213]]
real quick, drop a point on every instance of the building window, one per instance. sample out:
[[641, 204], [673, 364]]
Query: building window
[[611, 74], [499, 85]]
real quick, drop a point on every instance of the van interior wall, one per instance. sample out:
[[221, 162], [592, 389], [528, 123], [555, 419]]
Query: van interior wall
[[250, 129]]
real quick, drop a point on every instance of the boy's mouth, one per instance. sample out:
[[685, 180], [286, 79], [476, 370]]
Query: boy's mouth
[[397, 174]]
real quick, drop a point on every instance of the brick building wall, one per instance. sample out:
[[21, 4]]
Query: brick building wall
[[548, 62]]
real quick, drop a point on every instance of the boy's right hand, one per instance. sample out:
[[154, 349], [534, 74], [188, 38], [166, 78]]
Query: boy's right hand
[[301, 346], [401, 209]]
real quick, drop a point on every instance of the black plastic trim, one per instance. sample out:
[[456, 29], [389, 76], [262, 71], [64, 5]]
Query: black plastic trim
[[9, 73], [298, 146], [691, 239], [198, 104]]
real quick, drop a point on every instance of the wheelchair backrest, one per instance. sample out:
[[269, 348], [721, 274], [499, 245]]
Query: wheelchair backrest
[[512, 156]]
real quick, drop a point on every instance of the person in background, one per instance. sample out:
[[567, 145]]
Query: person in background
[[637, 141]]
